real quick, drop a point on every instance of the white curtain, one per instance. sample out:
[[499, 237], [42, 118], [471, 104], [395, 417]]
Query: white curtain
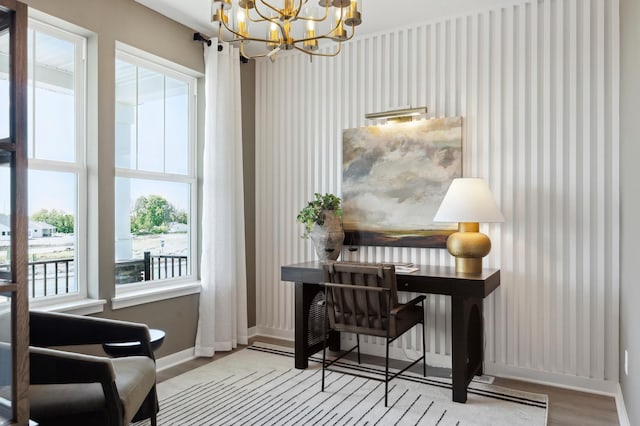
[[222, 323]]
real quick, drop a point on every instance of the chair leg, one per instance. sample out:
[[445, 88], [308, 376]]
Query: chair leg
[[386, 375], [358, 344], [324, 338], [424, 350], [155, 409]]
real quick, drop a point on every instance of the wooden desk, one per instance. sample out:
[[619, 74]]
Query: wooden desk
[[467, 292]]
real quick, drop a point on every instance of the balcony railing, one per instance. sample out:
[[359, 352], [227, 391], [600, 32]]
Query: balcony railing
[[161, 267], [46, 277], [55, 277]]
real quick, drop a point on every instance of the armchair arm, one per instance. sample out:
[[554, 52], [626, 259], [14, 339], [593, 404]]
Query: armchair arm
[[57, 329], [50, 366], [412, 302]]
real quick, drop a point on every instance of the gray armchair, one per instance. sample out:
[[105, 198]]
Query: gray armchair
[[68, 388]]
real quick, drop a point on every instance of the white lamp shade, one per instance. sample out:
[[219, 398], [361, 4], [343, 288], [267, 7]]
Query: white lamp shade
[[468, 200]]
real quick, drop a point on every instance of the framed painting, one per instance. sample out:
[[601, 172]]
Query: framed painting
[[394, 178]]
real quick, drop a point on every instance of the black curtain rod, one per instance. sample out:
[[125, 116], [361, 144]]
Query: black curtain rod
[[199, 37]]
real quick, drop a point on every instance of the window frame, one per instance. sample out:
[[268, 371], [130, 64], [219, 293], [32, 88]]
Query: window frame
[[143, 292], [78, 167]]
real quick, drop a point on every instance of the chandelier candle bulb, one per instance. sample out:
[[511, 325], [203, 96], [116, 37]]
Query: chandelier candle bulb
[[311, 32], [288, 40], [225, 4], [289, 10], [242, 24], [220, 16], [339, 33], [353, 15], [274, 37]]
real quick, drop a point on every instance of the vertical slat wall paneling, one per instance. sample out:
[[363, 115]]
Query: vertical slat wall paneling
[[531, 271], [497, 82], [520, 339], [613, 271], [600, 181], [545, 188], [584, 299], [505, 303], [536, 83], [572, 209], [558, 154]]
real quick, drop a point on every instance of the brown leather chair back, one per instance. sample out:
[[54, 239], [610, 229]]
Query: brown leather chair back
[[365, 310]]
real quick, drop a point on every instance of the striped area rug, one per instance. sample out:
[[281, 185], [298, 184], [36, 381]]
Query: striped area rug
[[259, 386]]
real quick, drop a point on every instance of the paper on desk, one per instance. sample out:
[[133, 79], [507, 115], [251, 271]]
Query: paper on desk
[[406, 269]]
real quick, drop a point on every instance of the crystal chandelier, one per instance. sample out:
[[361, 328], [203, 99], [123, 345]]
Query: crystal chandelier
[[286, 24]]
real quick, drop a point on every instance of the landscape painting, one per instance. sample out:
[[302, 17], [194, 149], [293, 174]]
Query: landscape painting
[[394, 178]]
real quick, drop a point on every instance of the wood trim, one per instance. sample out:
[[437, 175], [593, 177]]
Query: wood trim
[[8, 287], [9, 4], [22, 296], [19, 221]]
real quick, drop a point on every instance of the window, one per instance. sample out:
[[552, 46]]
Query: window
[[57, 169], [155, 188]]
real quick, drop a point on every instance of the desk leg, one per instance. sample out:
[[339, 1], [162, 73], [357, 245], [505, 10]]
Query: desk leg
[[459, 349], [301, 327], [476, 325], [466, 348]]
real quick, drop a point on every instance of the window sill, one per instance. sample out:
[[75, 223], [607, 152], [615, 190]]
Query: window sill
[[148, 295], [78, 307]]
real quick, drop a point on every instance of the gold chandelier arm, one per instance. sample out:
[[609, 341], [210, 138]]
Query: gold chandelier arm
[[240, 37], [328, 35], [221, 36], [298, 10], [269, 5], [353, 32], [311, 19], [320, 54], [243, 53], [264, 18]]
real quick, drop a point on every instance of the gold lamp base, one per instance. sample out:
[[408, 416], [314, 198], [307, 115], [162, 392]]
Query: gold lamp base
[[468, 246]]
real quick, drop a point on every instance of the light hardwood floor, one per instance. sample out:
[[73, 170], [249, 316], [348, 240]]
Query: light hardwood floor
[[566, 407]]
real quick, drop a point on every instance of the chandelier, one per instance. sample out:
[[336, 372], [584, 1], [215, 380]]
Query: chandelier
[[288, 24]]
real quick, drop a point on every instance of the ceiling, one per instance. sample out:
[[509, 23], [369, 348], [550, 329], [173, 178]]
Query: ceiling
[[377, 15]]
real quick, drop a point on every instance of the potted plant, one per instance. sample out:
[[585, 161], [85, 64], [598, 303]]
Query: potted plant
[[322, 219]]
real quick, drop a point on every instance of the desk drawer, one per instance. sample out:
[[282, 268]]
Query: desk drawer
[[406, 285]]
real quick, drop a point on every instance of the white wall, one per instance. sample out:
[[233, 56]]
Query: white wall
[[537, 85], [630, 205]]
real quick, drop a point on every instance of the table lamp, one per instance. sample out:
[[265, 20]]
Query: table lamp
[[468, 202]]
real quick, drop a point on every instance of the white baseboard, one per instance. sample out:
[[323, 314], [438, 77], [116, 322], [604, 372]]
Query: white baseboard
[[252, 332], [582, 384], [623, 416], [274, 333], [175, 359]]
